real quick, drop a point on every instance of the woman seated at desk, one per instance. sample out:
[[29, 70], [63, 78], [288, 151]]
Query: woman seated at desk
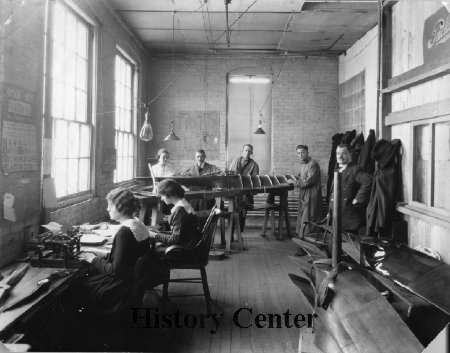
[[163, 168], [182, 221], [107, 285]]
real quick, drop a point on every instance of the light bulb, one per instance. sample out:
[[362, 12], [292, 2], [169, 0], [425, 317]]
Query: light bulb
[[146, 133]]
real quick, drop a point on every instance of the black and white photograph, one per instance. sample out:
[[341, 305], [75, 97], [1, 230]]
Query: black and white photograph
[[214, 176]]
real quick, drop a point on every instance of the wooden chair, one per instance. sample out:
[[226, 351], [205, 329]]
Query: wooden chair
[[180, 257]]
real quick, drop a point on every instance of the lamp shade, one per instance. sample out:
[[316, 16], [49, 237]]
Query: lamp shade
[[259, 130], [172, 136]]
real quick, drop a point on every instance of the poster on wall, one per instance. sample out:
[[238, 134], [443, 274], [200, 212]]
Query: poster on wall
[[436, 37], [18, 150], [18, 104], [18, 147]]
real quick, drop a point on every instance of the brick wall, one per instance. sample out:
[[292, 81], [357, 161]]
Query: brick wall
[[304, 107], [21, 65], [21, 62]]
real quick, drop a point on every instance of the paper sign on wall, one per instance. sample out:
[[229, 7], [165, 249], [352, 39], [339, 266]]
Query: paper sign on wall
[[18, 147], [8, 207]]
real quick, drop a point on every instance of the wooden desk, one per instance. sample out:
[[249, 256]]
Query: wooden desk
[[14, 318], [244, 184]]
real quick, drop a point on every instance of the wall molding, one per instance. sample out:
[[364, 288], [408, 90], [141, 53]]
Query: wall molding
[[425, 111], [424, 215]]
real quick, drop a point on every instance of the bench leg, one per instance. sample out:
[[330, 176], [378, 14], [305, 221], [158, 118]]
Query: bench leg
[[272, 212], [266, 218], [222, 231]]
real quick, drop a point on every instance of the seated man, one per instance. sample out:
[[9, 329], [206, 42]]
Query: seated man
[[198, 169], [244, 165]]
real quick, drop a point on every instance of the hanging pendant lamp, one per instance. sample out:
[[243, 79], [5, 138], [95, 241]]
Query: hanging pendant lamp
[[172, 136], [146, 133], [259, 130]]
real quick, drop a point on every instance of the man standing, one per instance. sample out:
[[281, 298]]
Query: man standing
[[310, 197], [356, 188], [198, 169], [244, 165]]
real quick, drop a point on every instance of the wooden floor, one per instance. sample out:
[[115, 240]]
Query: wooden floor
[[256, 279]]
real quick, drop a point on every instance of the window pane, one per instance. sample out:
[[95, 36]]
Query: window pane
[[60, 139], [85, 141], [131, 146], [60, 174], [422, 157], [72, 185], [82, 73], [59, 20], [71, 31], [81, 106], [57, 99], [58, 61], [441, 180], [69, 103], [84, 174], [82, 40], [74, 140], [70, 69]]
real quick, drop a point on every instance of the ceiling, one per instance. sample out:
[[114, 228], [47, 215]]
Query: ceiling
[[309, 27]]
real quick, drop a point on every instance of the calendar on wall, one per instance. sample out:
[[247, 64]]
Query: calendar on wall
[[18, 147]]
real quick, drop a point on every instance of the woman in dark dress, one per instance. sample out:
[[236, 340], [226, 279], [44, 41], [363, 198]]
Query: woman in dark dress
[[183, 222], [107, 285]]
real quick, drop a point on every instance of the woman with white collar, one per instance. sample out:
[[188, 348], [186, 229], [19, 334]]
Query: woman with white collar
[[183, 221], [163, 168], [108, 282]]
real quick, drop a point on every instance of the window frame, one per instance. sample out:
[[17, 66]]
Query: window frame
[[430, 167], [91, 86], [134, 122]]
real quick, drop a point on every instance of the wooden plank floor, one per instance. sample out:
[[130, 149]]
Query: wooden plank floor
[[255, 279]]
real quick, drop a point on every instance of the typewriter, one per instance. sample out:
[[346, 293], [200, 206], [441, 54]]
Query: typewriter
[[57, 250]]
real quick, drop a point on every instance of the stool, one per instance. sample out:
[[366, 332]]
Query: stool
[[233, 220], [269, 208]]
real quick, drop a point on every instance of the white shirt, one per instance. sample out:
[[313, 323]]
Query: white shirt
[[160, 170]]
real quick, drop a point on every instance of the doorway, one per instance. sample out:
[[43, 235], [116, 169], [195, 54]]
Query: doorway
[[249, 101]]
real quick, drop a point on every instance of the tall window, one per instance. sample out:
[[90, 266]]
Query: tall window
[[71, 49], [432, 165], [125, 122]]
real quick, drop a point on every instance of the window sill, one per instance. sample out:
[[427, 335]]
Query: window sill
[[424, 215], [69, 201], [126, 184]]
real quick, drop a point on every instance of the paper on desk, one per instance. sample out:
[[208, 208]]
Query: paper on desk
[[108, 233], [92, 239], [99, 251], [53, 227]]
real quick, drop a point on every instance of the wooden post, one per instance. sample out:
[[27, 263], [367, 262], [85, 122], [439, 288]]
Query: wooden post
[[337, 220]]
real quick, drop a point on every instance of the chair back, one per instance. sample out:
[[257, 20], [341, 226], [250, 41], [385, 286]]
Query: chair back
[[196, 256], [137, 291], [207, 236]]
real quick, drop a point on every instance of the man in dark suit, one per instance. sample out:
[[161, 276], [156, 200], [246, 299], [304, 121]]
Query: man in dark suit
[[356, 188], [198, 169]]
